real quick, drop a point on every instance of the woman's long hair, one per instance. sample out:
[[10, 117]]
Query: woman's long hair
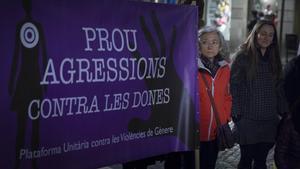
[[250, 47]]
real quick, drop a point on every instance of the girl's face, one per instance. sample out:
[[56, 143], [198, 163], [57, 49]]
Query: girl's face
[[210, 45], [265, 36]]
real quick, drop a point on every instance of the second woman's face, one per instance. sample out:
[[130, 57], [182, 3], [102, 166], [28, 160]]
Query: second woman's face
[[210, 44], [265, 36]]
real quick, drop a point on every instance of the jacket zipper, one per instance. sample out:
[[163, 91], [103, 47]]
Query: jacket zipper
[[211, 109]]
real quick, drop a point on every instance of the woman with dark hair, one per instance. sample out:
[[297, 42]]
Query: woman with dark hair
[[255, 75]]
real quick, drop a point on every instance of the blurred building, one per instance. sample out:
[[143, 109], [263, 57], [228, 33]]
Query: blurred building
[[234, 17]]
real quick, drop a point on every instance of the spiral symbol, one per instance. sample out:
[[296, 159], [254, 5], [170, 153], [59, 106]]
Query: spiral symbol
[[29, 35]]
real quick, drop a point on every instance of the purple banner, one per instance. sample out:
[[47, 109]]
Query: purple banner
[[86, 84]]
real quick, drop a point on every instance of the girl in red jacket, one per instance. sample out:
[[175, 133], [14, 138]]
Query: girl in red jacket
[[213, 65]]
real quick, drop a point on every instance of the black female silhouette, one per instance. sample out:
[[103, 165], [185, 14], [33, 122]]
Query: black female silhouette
[[24, 84], [180, 111]]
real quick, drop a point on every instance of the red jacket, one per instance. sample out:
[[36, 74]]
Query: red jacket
[[221, 93]]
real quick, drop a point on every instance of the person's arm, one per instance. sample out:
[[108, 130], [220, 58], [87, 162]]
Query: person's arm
[[237, 86], [15, 62], [228, 101], [44, 52]]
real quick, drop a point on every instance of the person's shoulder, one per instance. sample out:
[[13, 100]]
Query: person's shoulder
[[286, 121], [225, 65], [240, 54], [239, 57], [297, 61], [293, 65]]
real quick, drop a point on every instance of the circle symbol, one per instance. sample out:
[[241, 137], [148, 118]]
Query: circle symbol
[[29, 35]]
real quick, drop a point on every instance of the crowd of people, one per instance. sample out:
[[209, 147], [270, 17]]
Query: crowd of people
[[254, 91], [257, 102], [264, 99]]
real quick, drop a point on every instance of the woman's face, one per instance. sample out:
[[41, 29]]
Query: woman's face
[[265, 36], [210, 44]]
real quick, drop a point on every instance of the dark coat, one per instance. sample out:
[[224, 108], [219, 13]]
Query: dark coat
[[292, 80], [254, 101], [287, 150]]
